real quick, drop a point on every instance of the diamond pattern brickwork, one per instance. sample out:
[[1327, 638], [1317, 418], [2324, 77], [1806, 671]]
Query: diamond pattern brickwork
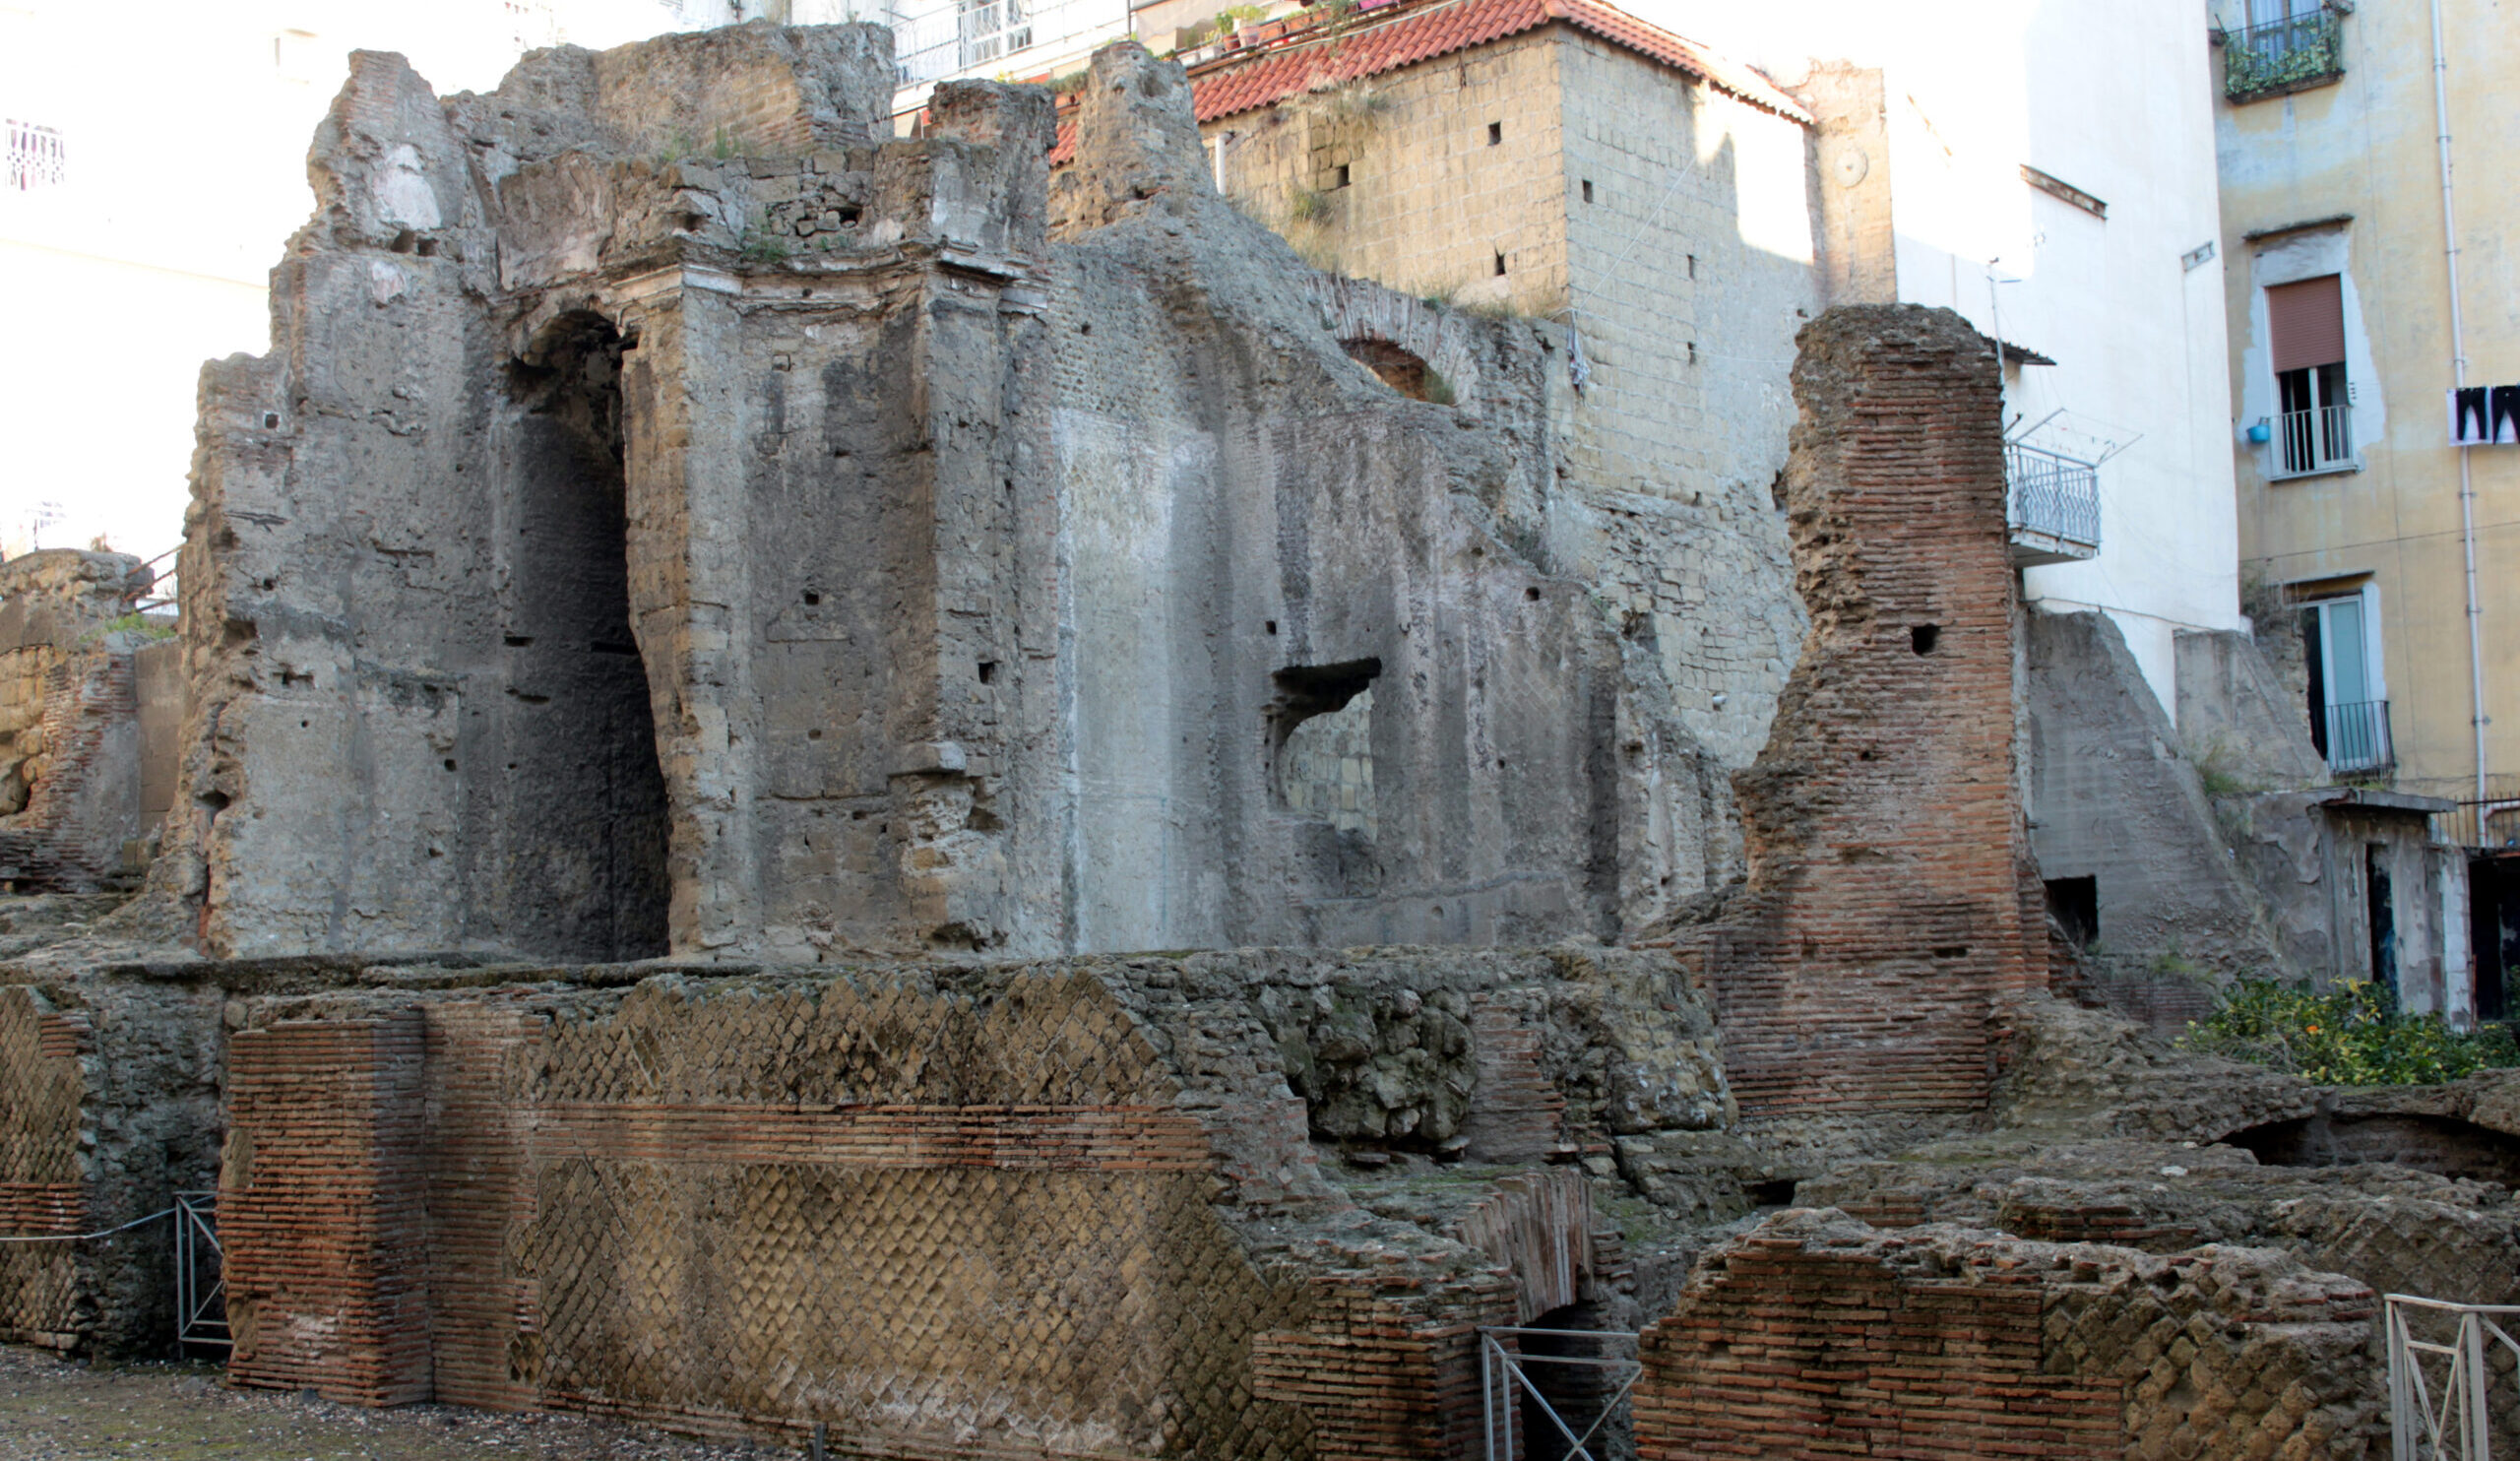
[[42, 1185], [977, 1215]]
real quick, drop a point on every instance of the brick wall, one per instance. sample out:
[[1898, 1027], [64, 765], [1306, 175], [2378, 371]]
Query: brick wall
[[973, 1223], [1817, 1336], [42, 1182], [1891, 903], [322, 1210]]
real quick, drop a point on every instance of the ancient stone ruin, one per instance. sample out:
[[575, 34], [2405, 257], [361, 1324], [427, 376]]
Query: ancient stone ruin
[[831, 791]]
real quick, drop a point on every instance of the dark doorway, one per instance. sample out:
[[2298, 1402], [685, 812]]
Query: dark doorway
[[2494, 930], [2380, 905], [1578, 1391], [578, 862]]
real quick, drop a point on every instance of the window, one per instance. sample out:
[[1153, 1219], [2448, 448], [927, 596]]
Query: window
[[2349, 707], [1588, 190], [37, 157], [2314, 421]]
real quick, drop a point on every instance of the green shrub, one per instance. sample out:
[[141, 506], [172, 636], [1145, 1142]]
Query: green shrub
[[2352, 1036]]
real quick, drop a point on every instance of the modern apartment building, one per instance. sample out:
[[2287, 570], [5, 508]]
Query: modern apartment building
[[2352, 325], [2376, 368]]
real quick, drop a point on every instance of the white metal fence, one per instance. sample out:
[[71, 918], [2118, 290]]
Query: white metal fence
[[2442, 1404], [1505, 1383]]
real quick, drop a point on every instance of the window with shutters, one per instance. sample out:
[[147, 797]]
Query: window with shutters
[[2314, 416]]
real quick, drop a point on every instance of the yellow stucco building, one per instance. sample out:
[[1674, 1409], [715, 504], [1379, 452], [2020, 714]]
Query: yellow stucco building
[[2354, 529]]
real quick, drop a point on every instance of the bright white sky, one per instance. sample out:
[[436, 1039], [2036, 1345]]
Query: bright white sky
[[186, 124]]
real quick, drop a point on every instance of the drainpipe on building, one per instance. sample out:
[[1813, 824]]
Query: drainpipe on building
[[2459, 378]]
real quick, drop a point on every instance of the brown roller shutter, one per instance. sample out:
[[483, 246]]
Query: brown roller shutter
[[2308, 321]]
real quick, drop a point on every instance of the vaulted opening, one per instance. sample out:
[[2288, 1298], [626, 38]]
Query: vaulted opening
[[576, 866], [1401, 369], [1321, 735]]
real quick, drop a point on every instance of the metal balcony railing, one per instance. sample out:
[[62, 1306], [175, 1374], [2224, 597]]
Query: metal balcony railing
[[2282, 56], [2355, 736], [2308, 441], [2052, 504], [934, 41]]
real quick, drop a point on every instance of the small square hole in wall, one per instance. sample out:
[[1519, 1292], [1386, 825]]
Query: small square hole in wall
[[1495, 133], [1500, 262], [1588, 190], [1693, 265], [1341, 180]]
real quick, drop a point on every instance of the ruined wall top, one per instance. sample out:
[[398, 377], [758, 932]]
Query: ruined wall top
[[55, 594]]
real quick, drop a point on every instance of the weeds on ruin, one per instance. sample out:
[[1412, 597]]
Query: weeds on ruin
[[1309, 206], [2355, 1034], [142, 625], [1438, 388], [762, 248]]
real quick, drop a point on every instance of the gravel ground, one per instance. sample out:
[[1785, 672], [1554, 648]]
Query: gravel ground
[[53, 1410]]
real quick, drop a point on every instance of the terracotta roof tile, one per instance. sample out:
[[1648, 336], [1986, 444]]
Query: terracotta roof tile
[[1242, 82]]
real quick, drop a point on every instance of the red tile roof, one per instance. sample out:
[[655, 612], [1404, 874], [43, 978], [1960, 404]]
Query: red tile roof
[[1372, 46]]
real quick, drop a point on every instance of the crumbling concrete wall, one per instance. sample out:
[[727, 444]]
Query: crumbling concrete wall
[[843, 540], [2117, 802], [71, 747], [2239, 715], [1889, 914], [1953, 1341]]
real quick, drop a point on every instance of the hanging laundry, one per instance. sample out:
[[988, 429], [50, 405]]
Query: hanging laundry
[[2467, 417]]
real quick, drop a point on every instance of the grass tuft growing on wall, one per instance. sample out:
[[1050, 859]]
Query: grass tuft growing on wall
[[2352, 1036]]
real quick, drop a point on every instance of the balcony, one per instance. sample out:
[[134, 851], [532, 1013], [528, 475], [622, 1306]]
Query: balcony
[[2355, 737], [2052, 505], [2280, 56], [2317, 440]]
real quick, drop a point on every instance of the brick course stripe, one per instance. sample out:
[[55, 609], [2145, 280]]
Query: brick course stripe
[[1045, 1138]]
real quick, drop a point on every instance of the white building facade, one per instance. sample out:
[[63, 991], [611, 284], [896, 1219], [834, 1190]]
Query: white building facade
[[2048, 171]]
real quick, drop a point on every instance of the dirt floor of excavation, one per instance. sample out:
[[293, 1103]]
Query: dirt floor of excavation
[[56, 1410]]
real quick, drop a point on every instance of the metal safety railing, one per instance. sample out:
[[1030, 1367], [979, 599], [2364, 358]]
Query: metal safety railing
[[2283, 55], [2317, 440], [2355, 736], [2441, 1403], [201, 1274], [1504, 1384], [2051, 495]]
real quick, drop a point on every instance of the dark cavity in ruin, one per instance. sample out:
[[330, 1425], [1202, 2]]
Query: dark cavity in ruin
[[2437, 1144], [579, 857], [1400, 369]]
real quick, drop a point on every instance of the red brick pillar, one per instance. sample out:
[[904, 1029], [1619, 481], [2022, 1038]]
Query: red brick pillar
[[320, 1210], [1885, 921]]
